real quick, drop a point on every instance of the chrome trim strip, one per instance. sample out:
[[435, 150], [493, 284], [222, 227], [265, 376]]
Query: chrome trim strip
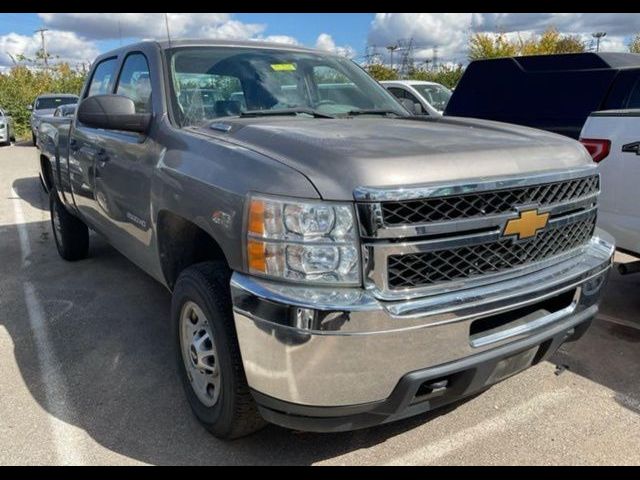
[[412, 192], [454, 226]]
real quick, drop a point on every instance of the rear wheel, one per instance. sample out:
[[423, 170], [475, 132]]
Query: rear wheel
[[208, 353], [69, 232]]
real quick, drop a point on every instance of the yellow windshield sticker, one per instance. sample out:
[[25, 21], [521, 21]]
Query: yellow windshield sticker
[[283, 67]]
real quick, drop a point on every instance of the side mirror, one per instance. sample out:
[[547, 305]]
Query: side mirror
[[417, 108], [112, 112], [30, 107]]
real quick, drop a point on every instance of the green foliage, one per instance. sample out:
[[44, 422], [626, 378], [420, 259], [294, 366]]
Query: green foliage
[[634, 46], [381, 72], [27, 79], [449, 76], [485, 45], [551, 41]]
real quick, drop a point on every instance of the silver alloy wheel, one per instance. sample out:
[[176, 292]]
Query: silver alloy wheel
[[57, 224], [199, 354]]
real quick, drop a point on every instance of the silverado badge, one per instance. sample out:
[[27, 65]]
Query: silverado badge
[[526, 225]]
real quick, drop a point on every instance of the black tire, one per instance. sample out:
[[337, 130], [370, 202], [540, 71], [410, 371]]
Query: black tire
[[72, 238], [33, 138], [235, 414]]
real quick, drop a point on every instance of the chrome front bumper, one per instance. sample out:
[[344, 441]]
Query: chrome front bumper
[[356, 349]]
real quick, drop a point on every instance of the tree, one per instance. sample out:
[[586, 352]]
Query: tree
[[381, 72], [634, 46], [551, 41], [27, 79], [447, 75]]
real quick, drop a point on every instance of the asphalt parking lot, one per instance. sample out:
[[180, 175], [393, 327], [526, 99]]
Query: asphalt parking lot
[[87, 374]]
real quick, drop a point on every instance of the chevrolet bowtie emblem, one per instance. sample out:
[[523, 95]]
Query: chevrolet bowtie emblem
[[527, 225]]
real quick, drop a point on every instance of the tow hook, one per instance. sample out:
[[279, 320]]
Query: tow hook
[[629, 268]]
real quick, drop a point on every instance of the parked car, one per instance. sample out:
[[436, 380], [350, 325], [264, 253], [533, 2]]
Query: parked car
[[7, 133], [551, 92], [613, 138], [332, 265], [45, 105], [50, 130], [431, 97]]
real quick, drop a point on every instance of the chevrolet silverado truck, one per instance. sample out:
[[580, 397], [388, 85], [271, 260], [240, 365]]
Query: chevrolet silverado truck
[[335, 262]]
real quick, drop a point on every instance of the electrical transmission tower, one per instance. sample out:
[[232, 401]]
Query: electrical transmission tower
[[372, 55]]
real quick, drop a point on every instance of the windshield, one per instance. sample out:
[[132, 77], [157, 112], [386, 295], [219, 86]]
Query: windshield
[[53, 102], [214, 82], [437, 95]]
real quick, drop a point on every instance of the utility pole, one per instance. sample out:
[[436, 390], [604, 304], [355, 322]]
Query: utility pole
[[44, 46], [166, 22], [392, 48], [598, 36]]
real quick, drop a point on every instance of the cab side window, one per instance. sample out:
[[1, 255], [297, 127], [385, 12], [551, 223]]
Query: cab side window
[[102, 77], [135, 83], [634, 97]]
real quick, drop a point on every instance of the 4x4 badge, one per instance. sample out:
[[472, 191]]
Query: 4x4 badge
[[526, 225]]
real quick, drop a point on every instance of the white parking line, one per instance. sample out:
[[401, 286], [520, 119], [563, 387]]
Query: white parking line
[[521, 414], [23, 235], [618, 321], [65, 436]]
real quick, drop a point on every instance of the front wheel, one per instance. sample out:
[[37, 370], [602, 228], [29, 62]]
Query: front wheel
[[208, 354], [69, 232]]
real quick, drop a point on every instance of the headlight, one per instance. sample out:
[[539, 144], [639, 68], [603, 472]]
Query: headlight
[[310, 241]]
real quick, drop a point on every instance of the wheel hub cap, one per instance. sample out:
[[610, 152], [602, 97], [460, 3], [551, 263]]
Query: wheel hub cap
[[199, 354]]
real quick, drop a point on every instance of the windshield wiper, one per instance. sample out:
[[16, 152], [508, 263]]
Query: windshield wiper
[[285, 111], [373, 111]]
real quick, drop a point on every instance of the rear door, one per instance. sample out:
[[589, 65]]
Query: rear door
[[86, 144]]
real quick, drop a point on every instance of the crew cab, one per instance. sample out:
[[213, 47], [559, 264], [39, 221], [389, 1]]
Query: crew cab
[[334, 261]]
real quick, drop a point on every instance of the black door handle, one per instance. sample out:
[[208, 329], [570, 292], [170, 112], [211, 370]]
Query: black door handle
[[632, 148], [102, 156]]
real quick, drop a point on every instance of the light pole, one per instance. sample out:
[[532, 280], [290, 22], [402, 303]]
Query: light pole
[[392, 48], [44, 46], [598, 36]]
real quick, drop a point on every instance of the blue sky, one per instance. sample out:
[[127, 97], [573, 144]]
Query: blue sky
[[79, 37]]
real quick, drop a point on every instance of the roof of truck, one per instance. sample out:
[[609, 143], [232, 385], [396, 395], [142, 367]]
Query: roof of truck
[[216, 43], [571, 61]]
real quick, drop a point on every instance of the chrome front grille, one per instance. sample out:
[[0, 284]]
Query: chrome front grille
[[427, 239], [486, 203], [433, 267]]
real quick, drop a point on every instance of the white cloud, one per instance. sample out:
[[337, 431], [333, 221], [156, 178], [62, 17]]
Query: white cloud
[[326, 42], [104, 26], [286, 39], [449, 32], [62, 45]]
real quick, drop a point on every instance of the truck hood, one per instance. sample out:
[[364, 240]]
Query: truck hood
[[339, 155]]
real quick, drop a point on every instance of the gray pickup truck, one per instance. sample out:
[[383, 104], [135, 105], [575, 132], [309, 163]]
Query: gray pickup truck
[[334, 261]]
